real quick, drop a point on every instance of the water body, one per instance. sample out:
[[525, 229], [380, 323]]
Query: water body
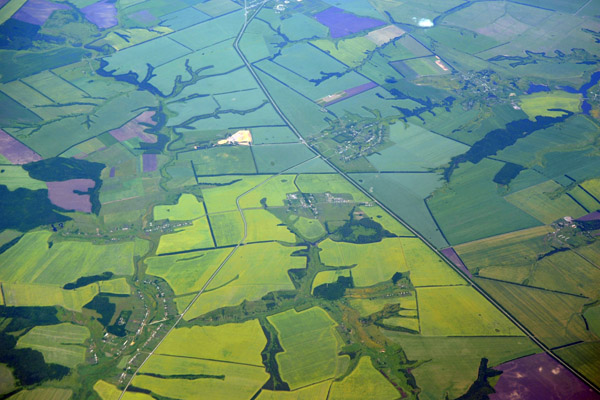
[[586, 107], [533, 88]]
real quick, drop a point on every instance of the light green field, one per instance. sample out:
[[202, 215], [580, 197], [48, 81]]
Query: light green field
[[375, 262], [222, 198], [134, 36], [310, 345], [403, 322], [7, 380], [227, 227], [366, 307], [60, 344], [536, 201], [32, 295], [227, 381], [252, 272], [332, 183], [238, 343], [195, 236], [540, 103], [187, 208], [364, 383], [311, 229], [317, 391], [9, 9], [386, 220], [262, 226], [426, 267], [454, 361], [214, 8], [583, 357], [349, 51], [187, 273], [8, 235], [14, 177], [592, 186], [567, 272], [427, 66], [329, 277], [274, 191], [106, 391], [115, 286], [45, 394], [31, 261], [460, 311], [552, 317], [584, 198]]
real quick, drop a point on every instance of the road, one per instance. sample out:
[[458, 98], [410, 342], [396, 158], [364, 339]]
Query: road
[[369, 195]]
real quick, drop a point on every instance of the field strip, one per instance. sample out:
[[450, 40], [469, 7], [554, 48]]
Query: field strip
[[209, 359], [417, 234]]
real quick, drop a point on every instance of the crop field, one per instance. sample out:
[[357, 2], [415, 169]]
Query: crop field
[[60, 344], [427, 268], [465, 40], [349, 51], [280, 157], [227, 228], [550, 104], [388, 223], [106, 391], [29, 295], [115, 286], [297, 27], [15, 177], [253, 271], [539, 201], [415, 149], [311, 229], [238, 343], [583, 357], [187, 208], [273, 134], [374, 262], [264, 226], [215, 8], [221, 160], [460, 311], [318, 391], [369, 104], [273, 191], [367, 307], [222, 198], [187, 272], [365, 382], [31, 261], [584, 198], [592, 186], [310, 353], [455, 360], [48, 393], [411, 323], [196, 236], [567, 272], [552, 317], [324, 277], [334, 184]]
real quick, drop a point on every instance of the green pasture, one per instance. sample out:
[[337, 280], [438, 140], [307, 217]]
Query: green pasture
[[14, 177], [567, 272], [403, 322], [453, 362], [186, 273], [115, 39], [373, 103], [273, 191], [349, 51], [328, 183], [365, 382], [48, 393], [295, 27], [252, 272], [60, 344], [324, 277], [426, 267], [215, 8], [310, 345], [189, 108], [318, 391], [273, 134], [542, 103], [584, 358], [584, 198], [404, 48], [187, 208], [227, 228], [236, 343], [32, 295], [311, 229], [461, 39], [388, 223], [115, 286], [366, 307], [279, 157], [294, 58], [202, 35], [7, 380], [57, 89], [221, 160], [263, 226], [222, 198]]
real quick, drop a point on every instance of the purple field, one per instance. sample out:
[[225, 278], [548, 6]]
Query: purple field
[[112, 172], [354, 91], [36, 12], [452, 256], [590, 217], [342, 23], [15, 151], [103, 14], [539, 377], [3, 2], [149, 162], [63, 194], [134, 128]]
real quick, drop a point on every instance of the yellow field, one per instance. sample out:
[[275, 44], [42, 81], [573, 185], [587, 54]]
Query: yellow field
[[115, 286], [364, 383], [309, 228], [253, 271], [332, 183], [187, 208], [274, 191], [226, 381], [460, 311], [536, 202], [241, 343], [188, 272], [106, 391], [366, 307], [44, 394], [26, 295], [408, 323], [426, 267], [263, 226], [540, 103], [227, 227], [592, 186], [317, 391], [222, 198], [195, 236], [386, 220], [329, 277]]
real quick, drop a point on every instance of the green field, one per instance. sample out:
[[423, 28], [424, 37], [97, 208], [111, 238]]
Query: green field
[[328, 183], [317, 391], [545, 103], [252, 272], [388, 223], [227, 228], [7, 380], [454, 361], [280, 157], [365, 382], [221, 160], [551, 317], [115, 286], [15, 177], [273, 191], [310, 346], [427, 268], [311, 229], [222, 198], [187, 272], [60, 344], [584, 358], [324, 277], [366, 307], [187, 208], [196, 236], [33, 295], [49, 393], [460, 311], [403, 322], [238, 343], [349, 51], [263, 226], [106, 391]]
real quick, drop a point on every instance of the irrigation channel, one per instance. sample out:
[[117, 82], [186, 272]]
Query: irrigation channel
[[529, 334]]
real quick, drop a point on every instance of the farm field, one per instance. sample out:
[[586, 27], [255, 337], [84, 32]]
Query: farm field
[[315, 199]]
